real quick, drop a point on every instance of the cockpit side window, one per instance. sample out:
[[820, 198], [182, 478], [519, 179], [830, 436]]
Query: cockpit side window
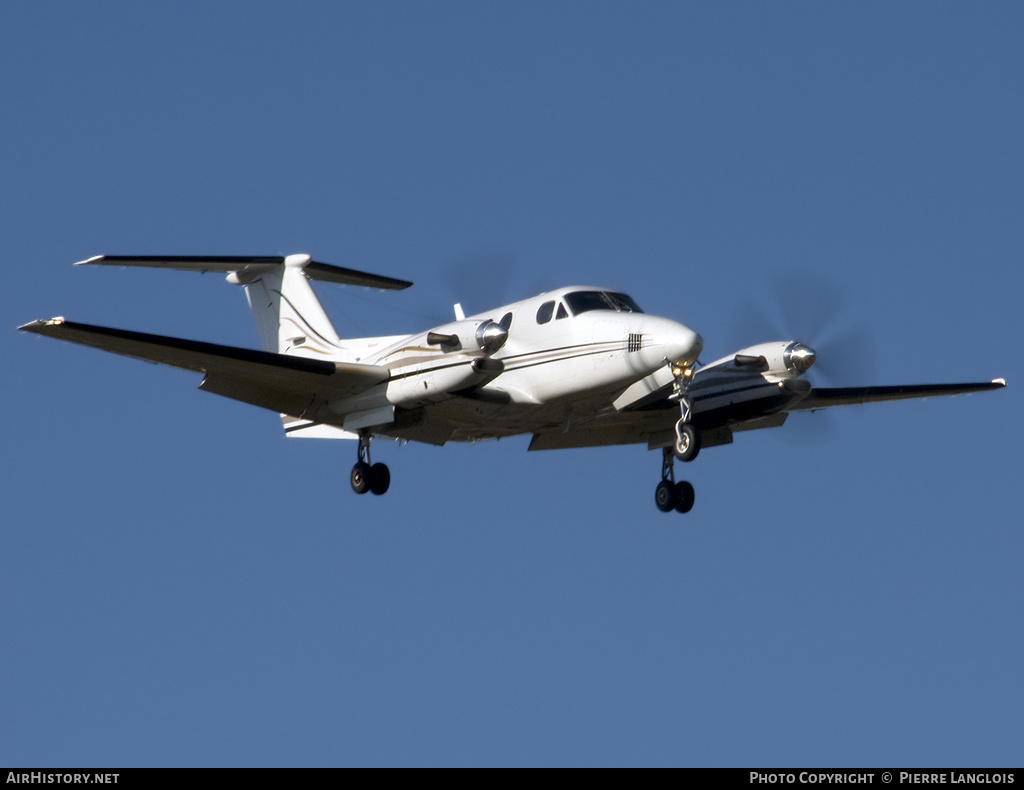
[[544, 313], [562, 312]]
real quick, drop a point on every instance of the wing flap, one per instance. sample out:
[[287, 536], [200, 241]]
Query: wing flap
[[274, 381], [280, 400]]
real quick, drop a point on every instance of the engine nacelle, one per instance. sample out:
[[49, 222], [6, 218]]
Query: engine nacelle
[[470, 336], [433, 385], [781, 359]]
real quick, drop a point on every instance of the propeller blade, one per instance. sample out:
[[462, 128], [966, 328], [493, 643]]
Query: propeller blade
[[847, 357], [480, 279], [811, 308]]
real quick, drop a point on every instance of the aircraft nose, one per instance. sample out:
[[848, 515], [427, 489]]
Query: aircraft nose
[[664, 340], [684, 345]]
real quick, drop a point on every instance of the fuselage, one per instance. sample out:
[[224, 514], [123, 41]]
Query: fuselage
[[563, 353]]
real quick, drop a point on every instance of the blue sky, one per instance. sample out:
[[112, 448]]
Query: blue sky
[[183, 586]]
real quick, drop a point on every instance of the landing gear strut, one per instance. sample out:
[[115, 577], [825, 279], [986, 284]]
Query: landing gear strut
[[687, 443], [670, 495], [366, 476]]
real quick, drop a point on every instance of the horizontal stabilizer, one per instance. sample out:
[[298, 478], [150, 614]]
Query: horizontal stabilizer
[[252, 265]]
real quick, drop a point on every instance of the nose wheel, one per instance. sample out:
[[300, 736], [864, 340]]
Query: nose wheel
[[687, 443], [670, 495], [367, 476]]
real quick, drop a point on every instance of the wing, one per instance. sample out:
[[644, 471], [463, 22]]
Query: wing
[[820, 398], [646, 415], [284, 384]]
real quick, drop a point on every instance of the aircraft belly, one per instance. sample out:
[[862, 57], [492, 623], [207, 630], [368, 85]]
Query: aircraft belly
[[611, 429], [467, 419], [473, 421]]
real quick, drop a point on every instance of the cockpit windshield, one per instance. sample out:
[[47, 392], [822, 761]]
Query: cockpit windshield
[[582, 301]]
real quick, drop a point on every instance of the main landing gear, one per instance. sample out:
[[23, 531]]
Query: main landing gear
[[366, 476], [670, 495]]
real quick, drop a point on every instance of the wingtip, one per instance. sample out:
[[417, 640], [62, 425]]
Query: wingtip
[[40, 323], [999, 382], [93, 259]]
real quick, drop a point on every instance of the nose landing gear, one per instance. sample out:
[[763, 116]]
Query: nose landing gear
[[687, 443], [670, 495], [366, 476]]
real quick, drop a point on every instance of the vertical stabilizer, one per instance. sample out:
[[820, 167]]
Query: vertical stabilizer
[[289, 317]]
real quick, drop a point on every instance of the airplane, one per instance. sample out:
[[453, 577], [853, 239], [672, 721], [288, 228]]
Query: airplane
[[580, 366]]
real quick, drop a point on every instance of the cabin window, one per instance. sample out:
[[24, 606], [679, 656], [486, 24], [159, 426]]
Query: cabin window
[[544, 313]]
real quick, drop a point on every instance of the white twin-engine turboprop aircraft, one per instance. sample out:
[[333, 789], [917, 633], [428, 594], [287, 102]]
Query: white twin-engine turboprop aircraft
[[575, 367]]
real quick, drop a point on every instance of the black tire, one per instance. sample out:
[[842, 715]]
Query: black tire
[[683, 497], [687, 448], [360, 477], [380, 478], [664, 496]]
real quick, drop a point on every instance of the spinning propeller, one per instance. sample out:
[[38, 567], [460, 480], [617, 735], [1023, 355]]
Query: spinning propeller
[[808, 308]]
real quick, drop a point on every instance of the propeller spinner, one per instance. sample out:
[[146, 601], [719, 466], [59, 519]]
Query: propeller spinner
[[799, 357], [491, 336]]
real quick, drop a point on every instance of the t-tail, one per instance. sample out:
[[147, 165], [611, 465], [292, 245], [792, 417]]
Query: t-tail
[[289, 317]]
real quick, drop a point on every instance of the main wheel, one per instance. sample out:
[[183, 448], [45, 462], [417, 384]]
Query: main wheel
[[380, 478], [687, 443], [683, 497], [664, 496], [360, 477]]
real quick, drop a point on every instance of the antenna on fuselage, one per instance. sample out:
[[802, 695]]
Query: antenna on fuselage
[[459, 315]]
